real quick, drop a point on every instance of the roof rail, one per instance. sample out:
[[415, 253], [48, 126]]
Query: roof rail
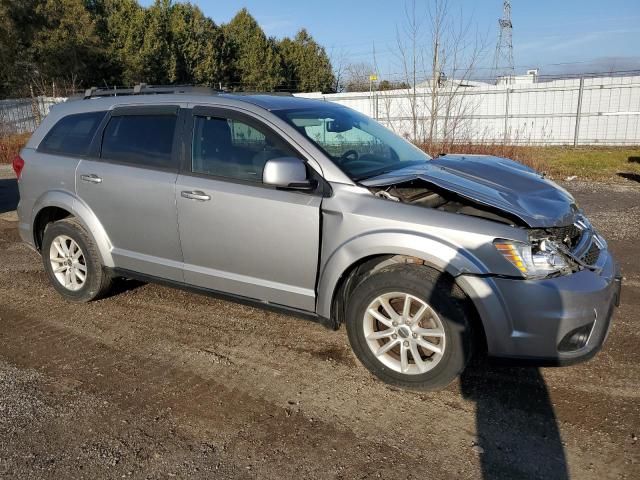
[[275, 94], [144, 89]]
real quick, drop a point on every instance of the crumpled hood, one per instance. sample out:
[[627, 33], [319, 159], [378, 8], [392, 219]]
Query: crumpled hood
[[497, 182]]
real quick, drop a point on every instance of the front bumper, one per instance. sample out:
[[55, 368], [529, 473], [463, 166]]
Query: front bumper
[[555, 321]]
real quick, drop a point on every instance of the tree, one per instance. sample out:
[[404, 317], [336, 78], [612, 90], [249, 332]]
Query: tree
[[18, 25], [201, 54], [338, 59], [82, 43], [67, 46], [157, 55], [357, 77], [125, 31], [453, 50], [385, 85], [7, 53], [306, 66], [257, 63]]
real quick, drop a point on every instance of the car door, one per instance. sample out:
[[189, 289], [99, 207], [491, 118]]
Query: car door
[[129, 184], [238, 235]]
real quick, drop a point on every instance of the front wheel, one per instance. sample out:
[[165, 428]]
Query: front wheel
[[408, 325]]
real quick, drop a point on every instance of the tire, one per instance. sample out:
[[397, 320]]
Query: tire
[[445, 315], [97, 281]]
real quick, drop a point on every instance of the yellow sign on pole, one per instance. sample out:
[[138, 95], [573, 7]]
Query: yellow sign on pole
[[373, 77]]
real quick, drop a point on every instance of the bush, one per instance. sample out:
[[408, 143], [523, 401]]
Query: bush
[[11, 144]]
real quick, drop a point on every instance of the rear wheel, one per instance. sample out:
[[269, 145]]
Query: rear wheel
[[72, 262], [408, 325]]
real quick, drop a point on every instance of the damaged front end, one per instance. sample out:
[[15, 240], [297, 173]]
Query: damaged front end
[[561, 239], [555, 251]]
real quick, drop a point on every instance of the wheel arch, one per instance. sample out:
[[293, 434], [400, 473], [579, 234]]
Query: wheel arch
[[368, 265], [57, 205], [44, 217], [371, 251]]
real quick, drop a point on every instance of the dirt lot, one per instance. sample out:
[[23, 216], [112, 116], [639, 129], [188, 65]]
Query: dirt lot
[[160, 383]]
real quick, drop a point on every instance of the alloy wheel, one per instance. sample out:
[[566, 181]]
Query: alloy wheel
[[404, 333], [68, 263]]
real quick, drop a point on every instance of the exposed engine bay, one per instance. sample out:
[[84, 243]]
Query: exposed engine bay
[[419, 192]]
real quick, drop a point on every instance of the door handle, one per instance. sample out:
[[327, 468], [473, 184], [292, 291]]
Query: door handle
[[196, 195], [93, 178]]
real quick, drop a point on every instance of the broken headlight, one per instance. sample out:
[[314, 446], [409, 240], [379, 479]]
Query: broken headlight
[[537, 259]]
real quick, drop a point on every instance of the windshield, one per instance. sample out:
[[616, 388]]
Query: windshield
[[360, 146]]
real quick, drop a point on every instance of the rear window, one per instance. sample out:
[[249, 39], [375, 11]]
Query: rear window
[[72, 135], [140, 140]]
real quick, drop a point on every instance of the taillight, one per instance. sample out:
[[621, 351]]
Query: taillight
[[18, 165]]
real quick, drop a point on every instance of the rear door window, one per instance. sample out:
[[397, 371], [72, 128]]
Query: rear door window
[[72, 134], [140, 140]]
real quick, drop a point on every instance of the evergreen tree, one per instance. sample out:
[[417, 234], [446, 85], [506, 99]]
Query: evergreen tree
[[83, 43], [157, 55], [67, 46], [125, 30], [201, 54], [306, 65], [18, 25], [257, 63]]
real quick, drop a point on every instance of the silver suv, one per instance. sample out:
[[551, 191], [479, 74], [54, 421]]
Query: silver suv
[[313, 208]]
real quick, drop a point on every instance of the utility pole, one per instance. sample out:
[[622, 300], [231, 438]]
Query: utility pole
[[503, 59], [372, 78]]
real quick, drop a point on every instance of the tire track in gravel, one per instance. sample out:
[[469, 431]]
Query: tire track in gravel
[[338, 395], [49, 428], [238, 421]]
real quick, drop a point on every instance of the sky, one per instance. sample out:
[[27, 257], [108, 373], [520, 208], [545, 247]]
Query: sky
[[556, 36]]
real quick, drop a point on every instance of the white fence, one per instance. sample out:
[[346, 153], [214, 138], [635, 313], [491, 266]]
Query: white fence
[[587, 111]]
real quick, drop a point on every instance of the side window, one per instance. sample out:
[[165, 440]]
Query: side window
[[72, 134], [140, 140], [231, 148]]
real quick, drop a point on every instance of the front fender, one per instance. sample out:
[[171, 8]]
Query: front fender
[[435, 252], [81, 211]]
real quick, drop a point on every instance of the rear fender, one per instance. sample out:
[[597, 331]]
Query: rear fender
[[81, 211]]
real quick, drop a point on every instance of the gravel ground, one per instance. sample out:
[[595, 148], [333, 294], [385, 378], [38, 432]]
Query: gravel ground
[[160, 383]]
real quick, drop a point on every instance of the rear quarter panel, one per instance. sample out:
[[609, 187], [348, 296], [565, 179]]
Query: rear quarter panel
[[42, 173]]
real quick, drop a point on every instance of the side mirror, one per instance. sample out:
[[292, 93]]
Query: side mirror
[[286, 172]]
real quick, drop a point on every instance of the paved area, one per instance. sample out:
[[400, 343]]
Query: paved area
[[160, 383]]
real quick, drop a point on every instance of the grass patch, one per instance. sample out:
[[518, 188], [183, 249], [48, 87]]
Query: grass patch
[[594, 163], [10, 146]]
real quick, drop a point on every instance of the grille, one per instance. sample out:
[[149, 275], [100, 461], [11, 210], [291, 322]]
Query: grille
[[592, 254]]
